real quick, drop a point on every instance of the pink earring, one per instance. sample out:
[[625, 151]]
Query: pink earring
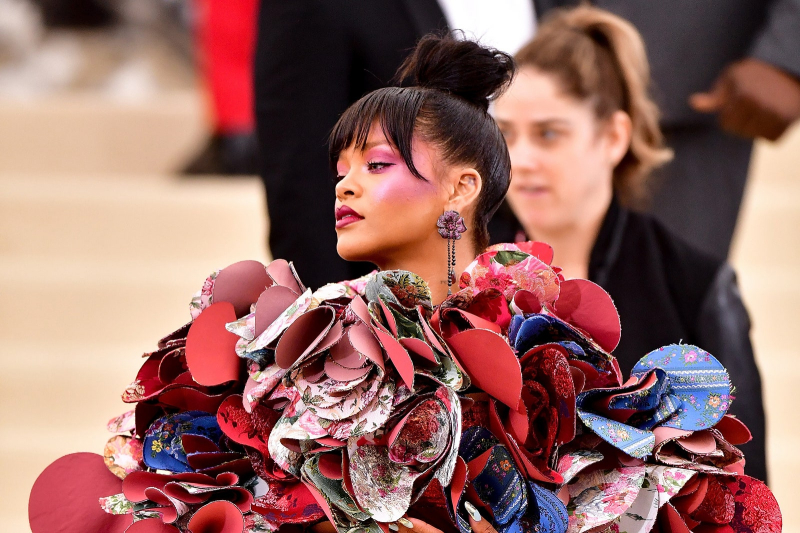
[[451, 226]]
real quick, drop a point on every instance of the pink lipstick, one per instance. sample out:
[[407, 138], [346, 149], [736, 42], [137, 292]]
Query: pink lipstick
[[346, 216]]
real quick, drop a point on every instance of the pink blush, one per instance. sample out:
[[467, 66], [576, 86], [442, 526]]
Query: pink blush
[[399, 185]]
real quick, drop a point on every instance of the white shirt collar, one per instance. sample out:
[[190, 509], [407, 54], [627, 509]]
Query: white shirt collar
[[503, 24]]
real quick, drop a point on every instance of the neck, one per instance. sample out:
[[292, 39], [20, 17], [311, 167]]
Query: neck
[[572, 244], [430, 263]]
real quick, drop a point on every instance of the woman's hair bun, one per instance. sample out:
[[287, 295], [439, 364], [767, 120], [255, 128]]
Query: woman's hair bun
[[460, 67]]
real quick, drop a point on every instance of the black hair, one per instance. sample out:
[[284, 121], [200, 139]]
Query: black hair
[[452, 82]]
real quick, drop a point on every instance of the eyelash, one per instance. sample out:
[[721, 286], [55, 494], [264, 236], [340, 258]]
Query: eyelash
[[372, 166]]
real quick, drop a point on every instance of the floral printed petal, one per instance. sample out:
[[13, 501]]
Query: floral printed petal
[[600, 497], [123, 455], [123, 423], [382, 487], [660, 485], [570, 464], [698, 379]]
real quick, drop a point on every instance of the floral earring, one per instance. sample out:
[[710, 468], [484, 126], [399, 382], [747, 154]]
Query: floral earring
[[451, 226]]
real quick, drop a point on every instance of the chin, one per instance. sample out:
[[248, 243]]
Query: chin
[[351, 249], [529, 210], [539, 220]]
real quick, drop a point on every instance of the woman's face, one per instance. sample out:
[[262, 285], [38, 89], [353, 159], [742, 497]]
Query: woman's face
[[384, 213], [562, 158]]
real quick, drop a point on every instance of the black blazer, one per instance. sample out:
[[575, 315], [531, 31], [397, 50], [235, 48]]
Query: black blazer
[[313, 59], [666, 292]]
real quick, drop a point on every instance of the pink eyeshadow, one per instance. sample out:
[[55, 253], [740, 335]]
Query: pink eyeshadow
[[383, 155]]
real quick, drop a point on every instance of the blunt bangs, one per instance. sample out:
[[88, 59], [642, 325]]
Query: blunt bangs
[[394, 108]]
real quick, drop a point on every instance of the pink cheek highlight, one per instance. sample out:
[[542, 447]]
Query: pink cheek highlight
[[398, 185]]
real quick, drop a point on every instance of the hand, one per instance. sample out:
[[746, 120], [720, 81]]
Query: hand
[[753, 99], [476, 522]]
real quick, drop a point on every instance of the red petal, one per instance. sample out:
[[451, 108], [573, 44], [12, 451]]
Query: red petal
[[210, 348], [65, 496], [733, 430], [272, 302], [588, 307], [151, 525], [282, 272], [398, 356], [304, 335], [217, 517], [240, 284], [490, 363], [330, 465]]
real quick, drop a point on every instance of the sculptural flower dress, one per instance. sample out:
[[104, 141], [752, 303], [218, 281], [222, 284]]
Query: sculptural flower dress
[[361, 403]]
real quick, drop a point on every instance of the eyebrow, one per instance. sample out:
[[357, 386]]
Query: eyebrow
[[552, 121], [546, 121]]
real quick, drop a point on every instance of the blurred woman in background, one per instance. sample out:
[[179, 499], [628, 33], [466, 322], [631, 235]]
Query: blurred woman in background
[[583, 137]]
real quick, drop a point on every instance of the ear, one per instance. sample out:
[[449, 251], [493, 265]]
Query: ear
[[618, 136], [466, 184]]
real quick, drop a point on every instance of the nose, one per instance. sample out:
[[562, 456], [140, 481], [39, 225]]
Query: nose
[[525, 156], [348, 186]]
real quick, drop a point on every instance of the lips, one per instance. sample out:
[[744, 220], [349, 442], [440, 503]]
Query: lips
[[346, 216], [532, 189]]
